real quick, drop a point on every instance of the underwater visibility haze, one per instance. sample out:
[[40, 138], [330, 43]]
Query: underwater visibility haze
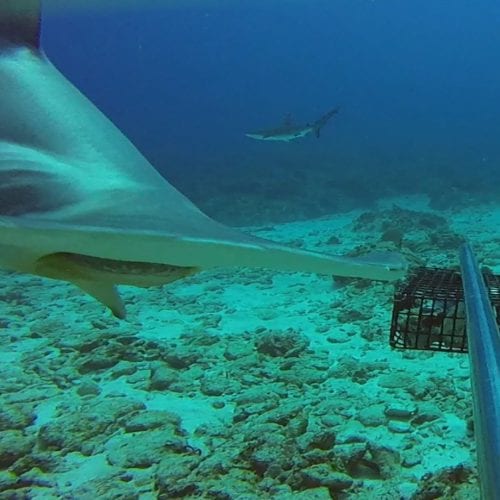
[[415, 85], [346, 140]]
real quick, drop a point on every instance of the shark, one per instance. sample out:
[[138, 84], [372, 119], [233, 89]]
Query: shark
[[80, 203], [289, 131]]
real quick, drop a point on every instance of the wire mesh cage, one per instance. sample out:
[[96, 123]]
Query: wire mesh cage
[[429, 310]]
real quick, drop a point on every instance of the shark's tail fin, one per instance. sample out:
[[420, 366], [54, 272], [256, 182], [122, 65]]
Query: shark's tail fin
[[321, 122], [20, 22]]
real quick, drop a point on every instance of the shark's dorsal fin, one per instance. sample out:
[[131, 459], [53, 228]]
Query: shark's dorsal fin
[[20, 22], [288, 120]]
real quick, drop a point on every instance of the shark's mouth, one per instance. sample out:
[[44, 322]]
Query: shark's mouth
[[98, 276], [112, 266]]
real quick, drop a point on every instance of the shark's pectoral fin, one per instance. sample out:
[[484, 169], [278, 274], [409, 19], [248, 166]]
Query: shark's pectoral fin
[[105, 293], [63, 267]]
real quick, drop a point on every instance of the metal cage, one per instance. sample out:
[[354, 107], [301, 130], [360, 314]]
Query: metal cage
[[429, 310]]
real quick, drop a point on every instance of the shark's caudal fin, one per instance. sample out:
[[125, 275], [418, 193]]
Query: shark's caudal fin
[[321, 122], [20, 22]]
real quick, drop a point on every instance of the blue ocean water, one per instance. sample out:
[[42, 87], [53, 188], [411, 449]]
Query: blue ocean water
[[416, 85], [244, 382]]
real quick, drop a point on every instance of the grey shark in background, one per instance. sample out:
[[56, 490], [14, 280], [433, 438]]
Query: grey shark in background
[[289, 131], [78, 202]]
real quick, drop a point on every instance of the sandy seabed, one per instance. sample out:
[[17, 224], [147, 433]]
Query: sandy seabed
[[242, 384]]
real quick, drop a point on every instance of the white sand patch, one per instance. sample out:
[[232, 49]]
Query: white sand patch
[[83, 469], [193, 411]]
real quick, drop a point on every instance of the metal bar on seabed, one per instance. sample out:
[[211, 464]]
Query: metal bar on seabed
[[483, 341]]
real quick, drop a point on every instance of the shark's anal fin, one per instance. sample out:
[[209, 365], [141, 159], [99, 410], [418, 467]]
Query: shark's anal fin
[[62, 267], [20, 22]]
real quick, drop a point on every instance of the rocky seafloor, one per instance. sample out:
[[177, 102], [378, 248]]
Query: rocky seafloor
[[242, 384]]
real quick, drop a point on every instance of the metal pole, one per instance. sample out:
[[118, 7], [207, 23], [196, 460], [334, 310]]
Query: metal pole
[[483, 341]]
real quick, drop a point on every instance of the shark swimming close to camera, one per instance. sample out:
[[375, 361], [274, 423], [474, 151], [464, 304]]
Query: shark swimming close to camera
[[289, 131], [79, 203]]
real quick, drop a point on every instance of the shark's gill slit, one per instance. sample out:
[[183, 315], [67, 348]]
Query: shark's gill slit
[[24, 191]]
